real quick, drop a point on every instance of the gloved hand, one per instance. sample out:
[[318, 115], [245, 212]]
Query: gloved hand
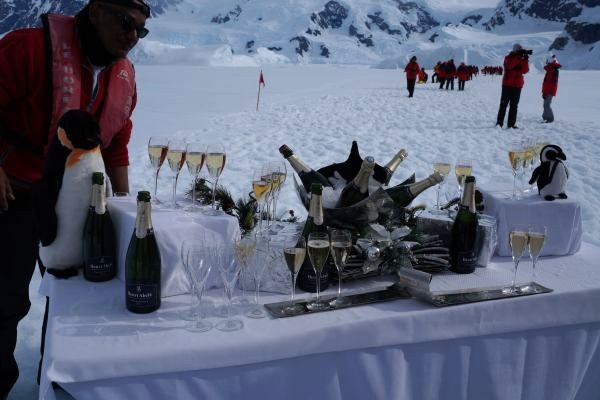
[[6, 192]]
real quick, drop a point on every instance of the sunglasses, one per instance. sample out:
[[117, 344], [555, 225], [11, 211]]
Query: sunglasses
[[128, 24]]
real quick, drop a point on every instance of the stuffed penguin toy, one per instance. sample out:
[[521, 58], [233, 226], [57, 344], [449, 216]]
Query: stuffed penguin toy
[[552, 174], [62, 197]]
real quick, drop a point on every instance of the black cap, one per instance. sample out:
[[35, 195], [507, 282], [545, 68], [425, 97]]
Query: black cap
[[98, 178], [470, 178], [143, 196], [141, 5], [316, 188]]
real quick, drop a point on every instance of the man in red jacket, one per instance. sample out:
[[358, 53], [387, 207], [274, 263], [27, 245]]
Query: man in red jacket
[[70, 63], [516, 64], [412, 71], [549, 87]]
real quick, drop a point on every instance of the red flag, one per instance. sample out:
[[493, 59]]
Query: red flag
[[261, 80]]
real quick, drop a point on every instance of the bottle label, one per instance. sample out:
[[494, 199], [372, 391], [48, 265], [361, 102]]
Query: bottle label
[[142, 295], [99, 267], [465, 260]]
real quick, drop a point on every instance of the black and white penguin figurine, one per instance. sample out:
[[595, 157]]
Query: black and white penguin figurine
[[552, 174], [62, 197]]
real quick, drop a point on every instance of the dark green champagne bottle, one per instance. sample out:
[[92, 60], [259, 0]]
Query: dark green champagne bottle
[[403, 195], [463, 239], [99, 250], [142, 263], [307, 175], [384, 175], [358, 188], [307, 278]]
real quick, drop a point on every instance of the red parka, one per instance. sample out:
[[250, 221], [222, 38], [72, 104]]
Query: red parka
[[412, 70], [550, 85], [462, 72], [515, 66], [25, 84]]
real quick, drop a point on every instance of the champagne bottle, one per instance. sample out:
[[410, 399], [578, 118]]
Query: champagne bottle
[[307, 175], [383, 175], [307, 278], [358, 188], [404, 194], [99, 250], [463, 239], [142, 263]]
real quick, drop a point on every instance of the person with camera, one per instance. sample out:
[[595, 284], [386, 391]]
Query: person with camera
[[516, 64], [549, 87], [412, 70]]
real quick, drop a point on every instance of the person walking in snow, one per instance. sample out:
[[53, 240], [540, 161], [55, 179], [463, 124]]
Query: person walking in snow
[[463, 75], [412, 72], [70, 63], [516, 64], [549, 87], [450, 74]]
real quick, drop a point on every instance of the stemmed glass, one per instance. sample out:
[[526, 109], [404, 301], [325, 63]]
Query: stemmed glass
[[194, 159], [537, 238], [516, 155], [528, 161], [244, 252], [176, 159], [229, 268], [294, 252], [157, 150], [462, 169], [215, 163], [190, 313], [518, 239], [279, 177], [443, 167], [341, 247], [197, 259], [261, 262], [261, 185], [318, 251]]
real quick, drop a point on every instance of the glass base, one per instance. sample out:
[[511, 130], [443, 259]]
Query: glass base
[[317, 305], [340, 302], [187, 315], [255, 313], [230, 325], [511, 290], [293, 309], [241, 301], [199, 326]]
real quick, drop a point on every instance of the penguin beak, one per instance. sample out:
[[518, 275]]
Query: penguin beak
[[561, 156]]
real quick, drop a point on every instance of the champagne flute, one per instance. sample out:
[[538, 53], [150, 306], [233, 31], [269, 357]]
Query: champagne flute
[[443, 167], [528, 160], [261, 262], [215, 163], [261, 184], [537, 238], [176, 159], [244, 252], [516, 154], [318, 251], [341, 247], [194, 159], [294, 252], [229, 268], [279, 177], [462, 169], [197, 257], [157, 151], [190, 313], [518, 239]]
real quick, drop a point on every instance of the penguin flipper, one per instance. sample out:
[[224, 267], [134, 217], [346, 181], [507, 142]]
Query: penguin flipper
[[549, 198], [44, 195], [534, 175], [562, 196]]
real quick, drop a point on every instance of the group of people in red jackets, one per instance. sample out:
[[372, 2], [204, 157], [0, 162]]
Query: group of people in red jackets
[[516, 64]]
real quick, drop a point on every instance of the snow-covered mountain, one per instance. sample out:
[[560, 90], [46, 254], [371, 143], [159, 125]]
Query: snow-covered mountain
[[374, 32]]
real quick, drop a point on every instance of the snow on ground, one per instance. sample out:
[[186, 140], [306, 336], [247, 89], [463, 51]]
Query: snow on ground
[[319, 110]]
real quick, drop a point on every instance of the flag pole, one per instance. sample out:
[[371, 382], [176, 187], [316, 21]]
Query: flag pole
[[258, 97]]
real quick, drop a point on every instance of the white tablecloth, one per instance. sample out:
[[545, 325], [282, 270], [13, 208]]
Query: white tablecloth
[[537, 347], [561, 217], [171, 228]]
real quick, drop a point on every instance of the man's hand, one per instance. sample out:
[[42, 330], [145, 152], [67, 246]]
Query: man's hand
[[6, 192]]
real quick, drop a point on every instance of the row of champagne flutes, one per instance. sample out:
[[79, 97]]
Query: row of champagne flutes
[[194, 155], [523, 155], [521, 238], [267, 182], [462, 168]]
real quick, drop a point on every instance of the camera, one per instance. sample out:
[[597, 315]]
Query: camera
[[525, 52]]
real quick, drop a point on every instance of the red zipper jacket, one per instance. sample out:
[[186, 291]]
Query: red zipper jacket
[[25, 104], [550, 85], [412, 70], [515, 67]]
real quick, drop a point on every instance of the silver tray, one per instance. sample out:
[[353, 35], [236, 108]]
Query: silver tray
[[398, 291], [392, 292]]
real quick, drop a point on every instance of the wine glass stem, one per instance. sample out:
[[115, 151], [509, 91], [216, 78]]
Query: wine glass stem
[[340, 271], [437, 202], [514, 185], [175, 188], [516, 260], [533, 261], [194, 193], [260, 215], [156, 181], [214, 192], [318, 273]]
